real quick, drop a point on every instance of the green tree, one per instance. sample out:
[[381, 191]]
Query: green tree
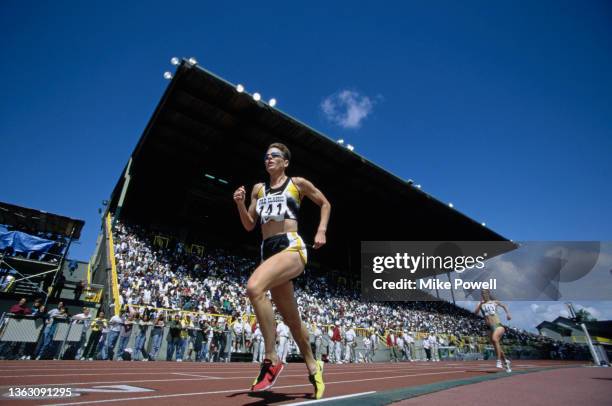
[[584, 315]]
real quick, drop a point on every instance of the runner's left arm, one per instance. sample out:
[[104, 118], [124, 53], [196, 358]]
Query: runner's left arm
[[503, 306], [309, 190]]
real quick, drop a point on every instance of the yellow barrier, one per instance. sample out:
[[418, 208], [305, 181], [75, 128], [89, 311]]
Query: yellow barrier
[[111, 253]]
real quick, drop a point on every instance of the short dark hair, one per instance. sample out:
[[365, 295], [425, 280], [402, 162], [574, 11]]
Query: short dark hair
[[283, 148]]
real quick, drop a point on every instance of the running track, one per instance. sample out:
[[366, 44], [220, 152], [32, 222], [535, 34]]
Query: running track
[[188, 383]]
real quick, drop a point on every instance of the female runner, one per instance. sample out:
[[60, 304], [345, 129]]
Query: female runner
[[488, 308], [283, 256]]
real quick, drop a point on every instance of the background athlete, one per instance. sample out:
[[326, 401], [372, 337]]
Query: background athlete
[[488, 308], [284, 256]]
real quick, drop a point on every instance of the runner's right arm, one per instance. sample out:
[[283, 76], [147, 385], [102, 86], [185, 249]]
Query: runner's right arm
[[248, 217]]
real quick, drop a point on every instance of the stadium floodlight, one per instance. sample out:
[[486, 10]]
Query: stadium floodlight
[[451, 205], [175, 61], [256, 96], [340, 141], [239, 88], [272, 102], [167, 75], [350, 147], [193, 61], [418, 186], [483, 224]]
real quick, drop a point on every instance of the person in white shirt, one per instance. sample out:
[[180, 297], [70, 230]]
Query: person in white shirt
[[400, 346], [258, 345], [238, 337], [410, 346], [147, 296], [427, 348], [373, 343], [349, 337], [331, 346], [367, 346], [114, 324], [248, 335], [435, 356], [282, 334], [84, 319], [318, 342]]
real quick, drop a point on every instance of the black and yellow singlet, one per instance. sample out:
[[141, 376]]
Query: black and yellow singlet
[[282, 203], [489, 310]]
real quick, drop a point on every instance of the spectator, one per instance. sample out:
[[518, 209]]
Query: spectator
[[392, 345], [78, 290], [142, 331], [282, 336], [336, 339], [114, 330], [125, 333], [20, 308], [97, 325], [46, 348], [83, 318], [350, 344], [174, 338], [58, 286], [157, 335]]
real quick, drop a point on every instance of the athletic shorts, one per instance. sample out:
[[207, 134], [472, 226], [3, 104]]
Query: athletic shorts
[[493, 327], [284, 242]]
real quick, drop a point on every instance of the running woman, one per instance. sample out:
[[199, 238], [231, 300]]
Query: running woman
[[488, 308], [283, 254]]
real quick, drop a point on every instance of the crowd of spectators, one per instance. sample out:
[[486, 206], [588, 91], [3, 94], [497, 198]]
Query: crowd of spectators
[[214, 282], [195, 296]]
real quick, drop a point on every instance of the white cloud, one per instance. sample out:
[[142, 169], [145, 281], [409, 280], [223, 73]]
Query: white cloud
[[347, 108]]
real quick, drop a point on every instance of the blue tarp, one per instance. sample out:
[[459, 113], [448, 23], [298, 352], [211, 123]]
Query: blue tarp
[[22, 242]]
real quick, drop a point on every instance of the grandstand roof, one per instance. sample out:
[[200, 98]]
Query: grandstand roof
[[205, 139], [32, 220], [563, 324]]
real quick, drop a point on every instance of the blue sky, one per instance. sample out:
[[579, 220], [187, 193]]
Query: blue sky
[[502, 109]]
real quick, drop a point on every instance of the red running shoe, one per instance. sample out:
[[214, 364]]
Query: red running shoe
[[267, 376]]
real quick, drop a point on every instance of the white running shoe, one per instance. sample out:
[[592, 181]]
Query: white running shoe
[[508, 364], [499, 364]]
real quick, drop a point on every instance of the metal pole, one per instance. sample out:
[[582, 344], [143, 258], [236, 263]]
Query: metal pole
[[61, 264], [586, 333]]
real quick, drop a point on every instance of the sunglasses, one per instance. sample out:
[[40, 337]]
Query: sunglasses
[[273, 155]]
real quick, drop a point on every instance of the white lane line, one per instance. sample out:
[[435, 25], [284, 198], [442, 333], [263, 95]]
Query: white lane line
[[241, 390], [197, 376], [309, 402]]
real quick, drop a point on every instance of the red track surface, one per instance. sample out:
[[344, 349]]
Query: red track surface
[[171, 383]]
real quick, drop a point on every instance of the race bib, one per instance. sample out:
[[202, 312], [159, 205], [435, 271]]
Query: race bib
[[272, 208], [488, 309]]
